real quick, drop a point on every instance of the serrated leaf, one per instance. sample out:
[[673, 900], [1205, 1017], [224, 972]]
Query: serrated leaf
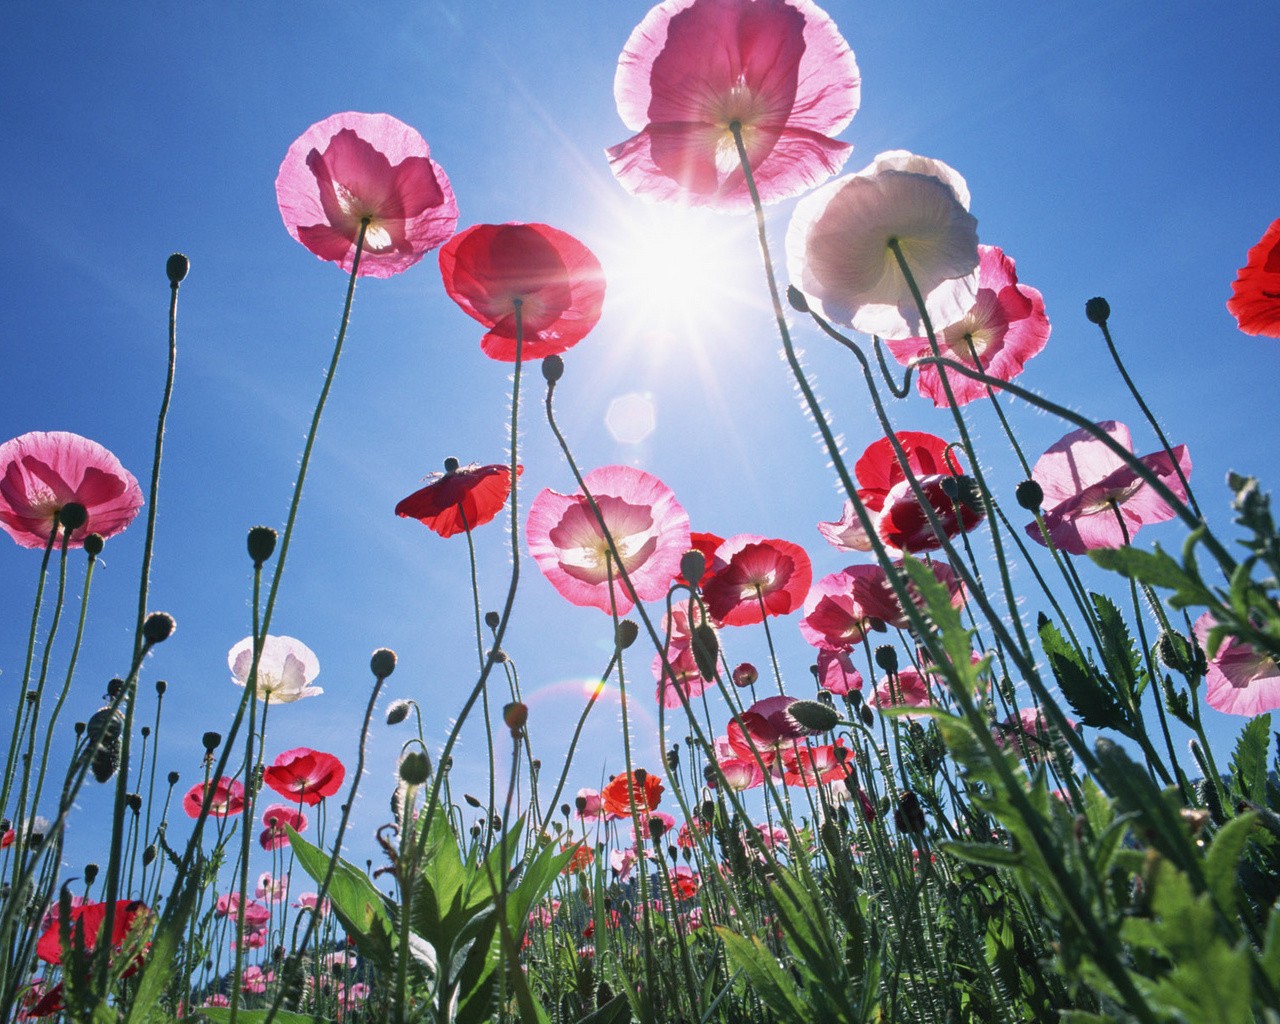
[[1081, 685], [1118, 653], [1223, 860], [771, 982], [1249, 760], [1159, 569]]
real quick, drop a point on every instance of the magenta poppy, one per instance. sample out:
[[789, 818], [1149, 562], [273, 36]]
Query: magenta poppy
[[753, 577], [836, 672], [275, 818], [1255, 293], [1240, 681], [1089, 490], [304, 775], [228, 798], [906, 688], [255, 914], [692, 68], [460, 498], [353, 166], [1006, 327], [648, 525], [556, 280], [842, 607], [40, 472]]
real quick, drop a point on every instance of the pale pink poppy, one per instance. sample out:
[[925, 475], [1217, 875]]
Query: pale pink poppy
[[353, 166], [1006, 327], [1240, 681], [838, 251], [843, 607], [1088, 489], [846, 533], [271, 888], [42, 471], [741, 773], [621, 862], [285, 670], [836, 672], [648, 526], [254, 980], [755, 576], [692, 68], [311, 901], [688, 681], [590, 806], [275, 818], [907, 688]]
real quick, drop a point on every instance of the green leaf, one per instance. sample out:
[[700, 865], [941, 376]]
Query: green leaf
[[169, 935], [615, 1011], [987, 854], [771, 982], [1223, 860], [1119, 654], [1159, 569], [1249, 761], [1085, 691], [956, 639], [221, 1013]]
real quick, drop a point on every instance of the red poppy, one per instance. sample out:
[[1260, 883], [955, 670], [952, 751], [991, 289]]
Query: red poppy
[[803, 766], [706, 544], [90, 918], [305, 775], [557, 281], [1255, 293], [460, 498], [228, 798], [581, 859], [767, 727], [754, 577], [624, 791], [684, 883]]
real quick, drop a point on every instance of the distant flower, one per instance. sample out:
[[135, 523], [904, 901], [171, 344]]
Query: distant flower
[[1255, 293], [255, 913], [693, 67], [624, 792], [305, 775], [582, 857], [648, 525], [754, 577], [591, 807], [705, 544], [275, 818], [837, 673], [459, 498], [285, 670], [253, 979], [1005, 327], [668, 825], [311, 901], [228, 798], [838, 250], [621, 862], [741, 773], [766, 729], [684, 882], [1029, 732], [1240, 680], [42, 471], [557, 281], [906, 688], [129, 915], [352, 166], [271, 888], [1088, 490], [808, 766]]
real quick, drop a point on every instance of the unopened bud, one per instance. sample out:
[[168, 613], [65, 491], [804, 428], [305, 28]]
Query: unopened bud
[[1030, 495], [451, 466], [814, 716], [398, 712], [626, 634], [745, 675], [471, 800], [515, 715], [656, 828], [491, 619], [261, 544], [887, 657], [415, 768], [211, 741], [157, 628], [796, 297], [176, 267], [173, 778], [90, 874], [93, 544], [692, 565], [383, 662], [1173, 649], [1098, 310], [134, 800], [552, 369], [161, 687]]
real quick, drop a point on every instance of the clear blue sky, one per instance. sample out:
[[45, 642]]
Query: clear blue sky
[[1124, 150]]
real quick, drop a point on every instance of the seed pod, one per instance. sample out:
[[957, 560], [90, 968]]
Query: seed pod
[[105, 725]]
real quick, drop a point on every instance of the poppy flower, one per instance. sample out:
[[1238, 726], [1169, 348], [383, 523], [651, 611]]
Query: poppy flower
[[304, 775], [753, 577], [275, 818], [311, 901], [807, 766], [460, 498], [91, 917], [692, 68], [766, 728], [255, 914], [1255, 293], [271, 887], [624, 791], [228, 798], [843, 607], [836, 672], [906, 688], [1088, 490], [1005, 327], [685, 882], [740, 773], [648, 525], [588, 804], [353, 166], [1029, 730], [285, 670], [679, 655], [705, 544], [1240, 681], [557, 281], [42, 471], [839, 255]]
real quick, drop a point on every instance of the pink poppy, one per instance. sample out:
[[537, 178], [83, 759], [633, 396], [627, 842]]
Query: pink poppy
[[557, 281], [621, 862], [648, 526], [271, 888], [459, 498], [1006, 327], [838, 251], [311, 901], [767, 728], [684, 882], [1240, 681], [275, 818], [807, 766], [679, 655], [1088, 489], [836, 672], [255, 913], [228, 798], [741, 773], [842, 607], [907, 688], [692, 68], [1029, 731], [846, 533], [253, 979], [305, 775], [42, 471], [754, 577], [353, 166], [1255, 293], [589, 805]]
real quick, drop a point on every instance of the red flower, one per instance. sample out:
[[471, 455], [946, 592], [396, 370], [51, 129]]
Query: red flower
[[685, 883], [842, 607], [625, 791], [754, 577], [305, 775], [581, 859], [706, 544], [228, 798], [459, 498], [1255, 293], [803, 766], [557, 281], [89, 919]]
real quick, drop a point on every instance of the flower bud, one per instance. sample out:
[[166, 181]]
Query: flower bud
[[173, 778], [673, 758], [693, 563], [1030, 495], [211, 741], [1098, 310], [552, 369], [471, 800], [383, 662], [909, 817], [581, 804], [157, 628], [161, 687], [90, 874], [887, 657], [626, 634], [640, 776], [262, 544], [491, 619], [865, 714], [72, 516], [745, 675], [93, 545], [656, 828], [398, 711], [176, 267], [796, 297], [814, 715], [415, 768], [134, 801], [114, 686], [1172, 649], [515, 715]]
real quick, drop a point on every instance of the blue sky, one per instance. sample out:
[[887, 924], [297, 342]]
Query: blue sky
[[1123, 150]]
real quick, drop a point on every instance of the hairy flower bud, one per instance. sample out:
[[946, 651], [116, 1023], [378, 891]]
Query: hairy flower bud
[[1098, 310], [796, 297], [693, 563], [176, 267], [1030, 495], [93, 544], [262, 544], [383, 662], [72, 516], [158, 627], [415, 768], [552, 369], [814, 715], [211, 741], [398, 711], [491, 619]]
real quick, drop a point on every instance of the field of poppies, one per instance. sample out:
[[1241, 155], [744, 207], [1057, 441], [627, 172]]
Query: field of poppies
[[987, 796]]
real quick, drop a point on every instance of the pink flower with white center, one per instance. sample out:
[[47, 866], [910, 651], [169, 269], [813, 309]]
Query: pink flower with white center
[[1093, 499], [693, 69], [741, 773], [275, 818], [43, 471], [311, 901], [679, 655], [846, 533], [354, 166], [843, 607], [754, 577], [836, 672], [1240, 681], [839, 255], [907, 688], [255, 939], [808, 766], [621, 862], [271, 888], [285, 670], [589, 804], [1006, 327], [648, 526]]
